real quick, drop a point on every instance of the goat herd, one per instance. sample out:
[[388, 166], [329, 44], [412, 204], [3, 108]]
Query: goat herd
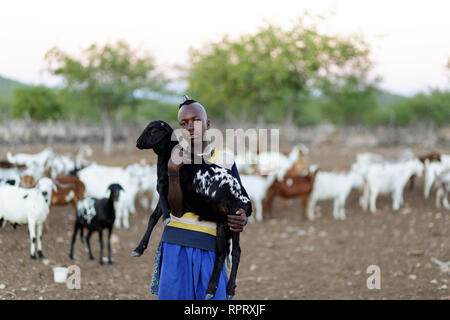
[[104, 196]]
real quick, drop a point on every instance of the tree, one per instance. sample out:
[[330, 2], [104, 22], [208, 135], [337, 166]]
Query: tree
[[107, 77], [273, 72], [39, 102]]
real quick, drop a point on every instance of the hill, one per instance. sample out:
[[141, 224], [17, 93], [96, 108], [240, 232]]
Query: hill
[[7, 86]]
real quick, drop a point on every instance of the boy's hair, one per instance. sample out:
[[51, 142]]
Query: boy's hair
[[186, 101]]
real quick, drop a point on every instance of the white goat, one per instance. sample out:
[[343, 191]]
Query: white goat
[[256, 187], [432, 170], [147, 178], [443, 188], [389, 177], [28, 206], [29, 159], [98, 178], [335, 186]]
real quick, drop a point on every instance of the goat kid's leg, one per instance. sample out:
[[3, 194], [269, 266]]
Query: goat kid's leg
[[235, 258], [39, 240], [100, 239], [439, 194], [88, 238], [221, 253], [445, 201], [373, 201], [310, 210], [336, 209], [153, 219], [109, 246], [32, 233], [396, 200], [259, 210], [74, 237]]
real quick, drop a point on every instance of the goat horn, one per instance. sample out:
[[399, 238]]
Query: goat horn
[[185, 97]]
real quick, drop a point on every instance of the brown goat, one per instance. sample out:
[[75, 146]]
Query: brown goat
[[291, 186], [70, 189]]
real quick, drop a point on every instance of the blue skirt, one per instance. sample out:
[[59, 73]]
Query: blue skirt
[[183, 273]]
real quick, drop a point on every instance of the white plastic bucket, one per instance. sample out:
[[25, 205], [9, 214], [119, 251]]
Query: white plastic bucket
[[60, 274]]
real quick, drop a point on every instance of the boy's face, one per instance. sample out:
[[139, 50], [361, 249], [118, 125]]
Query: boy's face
[[193, 118]]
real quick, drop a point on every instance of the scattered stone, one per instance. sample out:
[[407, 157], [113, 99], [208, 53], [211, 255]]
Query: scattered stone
[[415, 253], [2, 286], [253, 267], [323, 234], [301, 233], [443, 287], [60, 240], [284, 235], [405, 211], [412, 277], [434, 281]]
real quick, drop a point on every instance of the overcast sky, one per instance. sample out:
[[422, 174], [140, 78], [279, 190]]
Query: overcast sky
[[410, 39]]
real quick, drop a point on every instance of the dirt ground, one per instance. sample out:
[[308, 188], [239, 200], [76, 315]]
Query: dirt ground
[[283, 257]]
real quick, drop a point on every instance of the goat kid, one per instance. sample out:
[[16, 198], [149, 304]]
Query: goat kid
[[28, 206], [290, 187], [389, 178], [96, 215], [210, 190]]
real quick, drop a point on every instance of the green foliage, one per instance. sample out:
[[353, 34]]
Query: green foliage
[[39, 102], [423, 108], [105, 77], [273, 73]]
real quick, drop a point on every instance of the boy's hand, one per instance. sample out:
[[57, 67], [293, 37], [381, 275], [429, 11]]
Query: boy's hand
[[176, 160], [238, 221]]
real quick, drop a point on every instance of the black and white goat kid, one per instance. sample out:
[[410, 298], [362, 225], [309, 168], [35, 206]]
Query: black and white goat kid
[[211, 191], [96, 215]]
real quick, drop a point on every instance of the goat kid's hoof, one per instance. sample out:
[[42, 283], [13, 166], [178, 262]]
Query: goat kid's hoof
[[110, 263], [230, 297], [209, 296], [33, 257], [70, 257], [135, 254], [41, 255], [91, 258]]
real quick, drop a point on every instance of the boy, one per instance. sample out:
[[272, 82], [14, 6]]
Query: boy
[[185, 258]]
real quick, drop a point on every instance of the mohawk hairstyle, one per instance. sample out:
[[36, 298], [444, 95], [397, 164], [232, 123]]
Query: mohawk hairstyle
[[186, 101]]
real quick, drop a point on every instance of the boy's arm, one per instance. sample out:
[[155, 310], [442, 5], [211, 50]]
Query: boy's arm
[[175, 196]]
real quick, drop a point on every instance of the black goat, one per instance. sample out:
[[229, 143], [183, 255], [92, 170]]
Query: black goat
[[211, 191], [96, 215]]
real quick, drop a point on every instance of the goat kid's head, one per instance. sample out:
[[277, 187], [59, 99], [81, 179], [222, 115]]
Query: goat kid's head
[[155, 136], [114, 191], [45, 186]]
